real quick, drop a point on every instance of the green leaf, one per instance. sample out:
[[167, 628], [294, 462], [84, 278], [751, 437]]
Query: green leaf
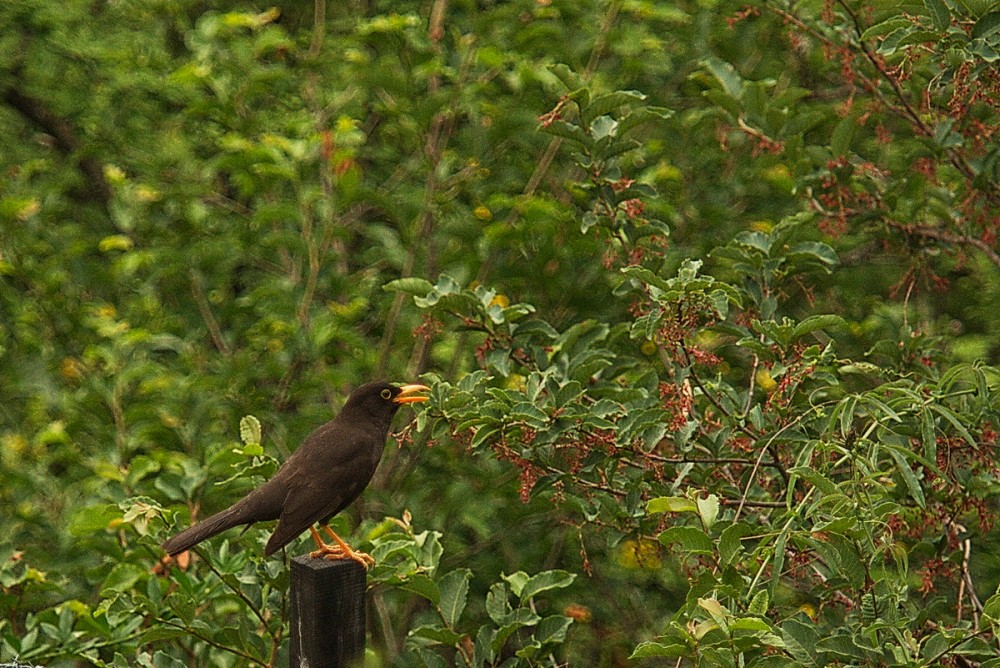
[[123, 577], [840, 142], [843, 646], [754, 625], [574, 133], [454, 587], [760, 602], [939, 13], [671, 504], [823, 484], [718, 612], [688, 539], [815, 250], [424, 586], [93, 519], [608, 102], [800, 641], [884, 28], [955, 422], [730, 542], [418, 287], [516, 581], [909, 478], [655, 650], [991, 608], [430, 659], [986, 26], [726, 75], [543, 581], [568, 77], [250, 431], [140, 468], [437, 634], [708, 509], [552, 629], [497, 606], [817, 322]]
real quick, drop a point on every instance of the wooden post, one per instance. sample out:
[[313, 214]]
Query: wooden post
[[327, 617]]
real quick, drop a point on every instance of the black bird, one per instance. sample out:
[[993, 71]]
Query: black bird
[[329, 470]]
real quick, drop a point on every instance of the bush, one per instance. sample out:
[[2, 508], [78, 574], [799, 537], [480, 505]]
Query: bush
[[705, 293]]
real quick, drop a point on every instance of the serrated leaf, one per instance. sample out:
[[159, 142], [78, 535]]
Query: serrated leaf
[[516, 581], [552, 629], [726, 75], [437, 634], [688, 539], [544, 581], [608, 102], [759, 603], [568, 131], [422, 585], [570, 79], [939, 13], [817, 250], [454, 588], [800, 640], [653, 650], [250, 432], [986, 26], [497, 606], [884, 28]]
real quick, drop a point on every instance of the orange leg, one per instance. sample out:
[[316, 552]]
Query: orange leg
[[339, 551]]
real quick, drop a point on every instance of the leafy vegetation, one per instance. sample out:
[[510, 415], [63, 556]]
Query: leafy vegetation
[[705, 293]]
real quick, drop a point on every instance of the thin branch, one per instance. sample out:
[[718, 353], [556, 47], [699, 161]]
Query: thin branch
[[752, 504], [205, 309], [225, 648], [948, 237], [319, 28], [435, 142], [239, 593], [771, 448], [549, 154], [66, 140]]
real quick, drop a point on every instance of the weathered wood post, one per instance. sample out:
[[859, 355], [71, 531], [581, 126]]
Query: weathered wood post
[[327, 617]]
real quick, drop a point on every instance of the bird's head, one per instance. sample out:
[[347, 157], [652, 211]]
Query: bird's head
[[384, 399]]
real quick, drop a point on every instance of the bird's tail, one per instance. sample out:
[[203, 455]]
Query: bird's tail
[[207, 528]]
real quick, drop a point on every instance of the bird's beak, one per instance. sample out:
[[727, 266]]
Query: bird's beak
[[406, 395]]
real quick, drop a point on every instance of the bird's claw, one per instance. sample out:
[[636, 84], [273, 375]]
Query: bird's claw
[[335, 552]]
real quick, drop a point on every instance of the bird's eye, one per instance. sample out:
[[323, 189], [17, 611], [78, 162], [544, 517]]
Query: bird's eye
[[387, 394]]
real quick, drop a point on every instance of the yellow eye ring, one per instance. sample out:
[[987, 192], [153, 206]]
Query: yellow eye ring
[[387, 394]]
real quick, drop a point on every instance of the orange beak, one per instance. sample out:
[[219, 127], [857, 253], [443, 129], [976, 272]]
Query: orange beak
[[406, 396]]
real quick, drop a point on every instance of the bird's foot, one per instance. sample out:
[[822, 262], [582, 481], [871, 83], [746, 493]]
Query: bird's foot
[[338, 550], [335, 552]]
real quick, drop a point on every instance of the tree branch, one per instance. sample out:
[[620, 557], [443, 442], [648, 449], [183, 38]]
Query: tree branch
[[66, 141]]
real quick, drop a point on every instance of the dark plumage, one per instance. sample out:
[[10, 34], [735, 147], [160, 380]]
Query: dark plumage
[[329, 470]]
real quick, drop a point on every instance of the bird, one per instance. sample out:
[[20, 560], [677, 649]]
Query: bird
[[323, 476]]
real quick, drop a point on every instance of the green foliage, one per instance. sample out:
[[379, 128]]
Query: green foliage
[[705, 293]]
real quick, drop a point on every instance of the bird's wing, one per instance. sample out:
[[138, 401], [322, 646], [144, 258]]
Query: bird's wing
[[305, 504], [329, 470]]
